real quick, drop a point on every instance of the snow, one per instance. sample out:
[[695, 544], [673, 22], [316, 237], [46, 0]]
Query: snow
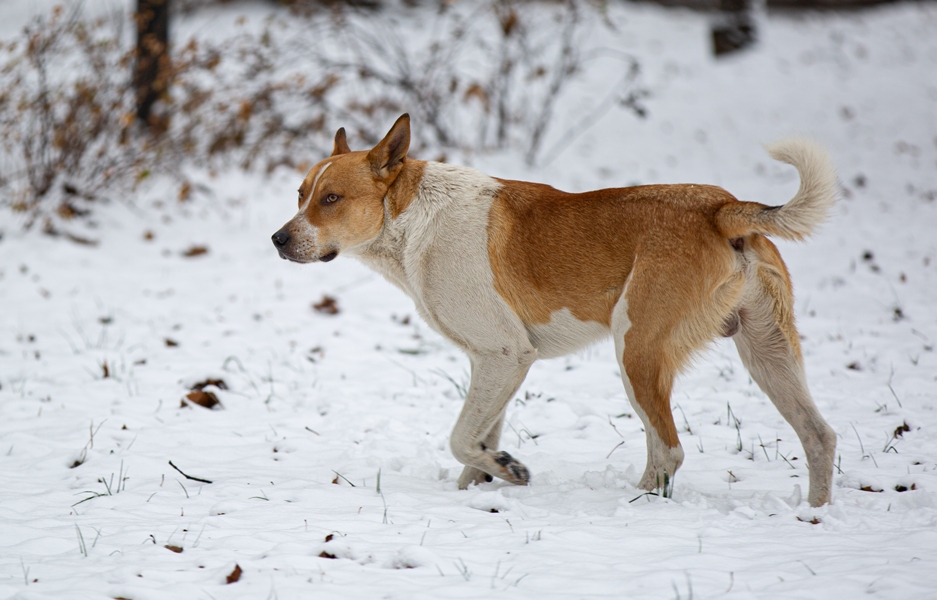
[[319, 408]]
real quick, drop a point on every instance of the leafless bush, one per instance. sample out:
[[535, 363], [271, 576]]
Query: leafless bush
[[68, 135], [476, 78], [63, 113], [484, 79]]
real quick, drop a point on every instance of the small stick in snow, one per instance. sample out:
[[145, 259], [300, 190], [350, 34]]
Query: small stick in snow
[[188, 476]]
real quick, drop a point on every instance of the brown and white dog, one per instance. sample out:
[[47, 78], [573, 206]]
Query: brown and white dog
[[511, 272]]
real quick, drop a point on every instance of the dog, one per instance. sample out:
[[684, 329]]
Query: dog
[[511, 271]]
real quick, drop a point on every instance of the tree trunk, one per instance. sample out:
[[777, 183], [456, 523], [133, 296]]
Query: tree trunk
[[151, 69], [735, 29]]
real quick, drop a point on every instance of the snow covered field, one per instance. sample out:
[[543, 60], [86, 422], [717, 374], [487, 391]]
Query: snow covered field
[[329, 462]]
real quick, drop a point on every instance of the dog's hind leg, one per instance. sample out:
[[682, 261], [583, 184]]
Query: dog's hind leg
[[769, 346], [495, 378], [648, 375]]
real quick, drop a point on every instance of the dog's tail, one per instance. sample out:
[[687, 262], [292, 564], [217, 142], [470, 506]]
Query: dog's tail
[[797, 219]]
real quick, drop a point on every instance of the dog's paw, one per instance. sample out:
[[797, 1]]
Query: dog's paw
[[658, 481], [472, 475], [514, 471]]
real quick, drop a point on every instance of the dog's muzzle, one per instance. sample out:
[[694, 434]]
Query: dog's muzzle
[[281, 239]]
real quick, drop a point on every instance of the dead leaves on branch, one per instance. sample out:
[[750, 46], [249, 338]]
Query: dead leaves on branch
[[250, 100]]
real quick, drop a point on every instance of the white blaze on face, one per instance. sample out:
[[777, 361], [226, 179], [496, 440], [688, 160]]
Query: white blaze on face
[[312, 192], [302, 228]]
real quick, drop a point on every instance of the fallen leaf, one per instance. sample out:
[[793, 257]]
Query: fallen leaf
[[176, 549], [328, 305], [235, 574], [206, 399], [218, 383], [195, 251], [184, 192], [902, 429]]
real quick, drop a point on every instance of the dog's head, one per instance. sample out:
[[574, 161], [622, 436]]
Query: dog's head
[[341, 200]]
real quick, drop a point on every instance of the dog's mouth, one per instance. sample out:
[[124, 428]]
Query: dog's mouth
[[324, 258]]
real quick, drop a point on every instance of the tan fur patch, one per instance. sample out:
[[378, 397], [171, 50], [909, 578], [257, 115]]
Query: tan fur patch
[[406, 187], [773, 275], [550, 250]]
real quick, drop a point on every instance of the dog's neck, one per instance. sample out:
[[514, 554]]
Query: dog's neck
[[413, 206], [386, 252]]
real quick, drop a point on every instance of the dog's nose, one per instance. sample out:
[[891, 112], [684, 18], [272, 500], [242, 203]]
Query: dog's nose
[[280, 238]]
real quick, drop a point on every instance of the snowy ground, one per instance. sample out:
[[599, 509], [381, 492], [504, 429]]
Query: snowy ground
[[319, 406]]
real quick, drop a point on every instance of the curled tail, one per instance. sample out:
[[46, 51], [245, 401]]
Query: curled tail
[[809, 207]]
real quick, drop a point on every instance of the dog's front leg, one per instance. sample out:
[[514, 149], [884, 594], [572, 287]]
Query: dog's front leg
[[474, 442], [472, 475]]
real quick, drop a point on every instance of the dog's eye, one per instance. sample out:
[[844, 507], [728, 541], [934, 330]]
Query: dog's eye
[[331, 199]]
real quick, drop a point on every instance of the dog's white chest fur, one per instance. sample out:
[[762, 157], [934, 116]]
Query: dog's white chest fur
[[436, 252]]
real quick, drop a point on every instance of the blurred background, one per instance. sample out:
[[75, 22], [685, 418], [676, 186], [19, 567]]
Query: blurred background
[[100, 99]]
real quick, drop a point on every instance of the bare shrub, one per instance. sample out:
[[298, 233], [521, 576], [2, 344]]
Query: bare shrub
[[486, 78], [68, 113], [65, 115], [477, 77]]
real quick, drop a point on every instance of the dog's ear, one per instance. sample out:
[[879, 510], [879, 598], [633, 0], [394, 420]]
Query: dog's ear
[[341, 144], [387, 157]]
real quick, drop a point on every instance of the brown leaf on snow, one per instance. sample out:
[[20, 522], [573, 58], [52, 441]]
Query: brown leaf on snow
[[206, 399], [176, 549], [328, 305], [325, 554], [869, 488], [901, 430], [218, 383], [235, 574], [171, 342], [185, 191], [195, 251]]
